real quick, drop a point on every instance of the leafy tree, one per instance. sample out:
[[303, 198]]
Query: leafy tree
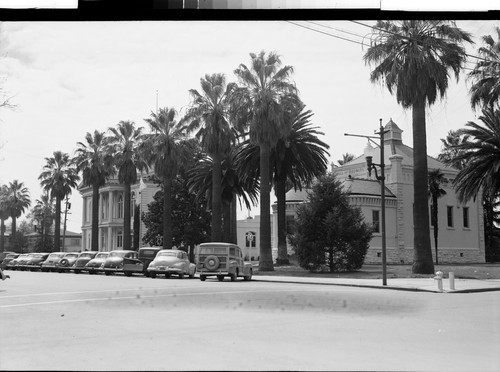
[[58, 177], [346, 158], [190, 222], [413, 59], [18, 200], [436, 179], [166, 149], [450, 148], [328, 231], [124, 145], [485, 90], [96, 165], [209, 116], [262, 101]]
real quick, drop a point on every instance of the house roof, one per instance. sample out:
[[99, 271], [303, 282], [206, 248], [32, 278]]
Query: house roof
[[359, 186]]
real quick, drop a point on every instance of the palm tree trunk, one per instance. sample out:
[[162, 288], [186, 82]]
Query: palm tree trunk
[[435, 225], [2, 233], [216, 198], [266, 256], [57, 228], [422, 254], [234, 221], [126, 218], [94, 243], [281, 201], [13, 228], [167, 213], [226, 212]]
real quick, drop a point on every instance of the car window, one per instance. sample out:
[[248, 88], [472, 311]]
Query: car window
[[213, 250], [148, 253], [117, 254], [102, 255], [70, 255], [86, 255], [180, 255], [232, 252], [167, 254]]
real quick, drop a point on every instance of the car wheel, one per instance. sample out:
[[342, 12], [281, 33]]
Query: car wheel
[[152, 275], [107, 273], [127, 273], [248, 277], [77, 271], [168, 275], [203, 278], [191, 276], [220, 278], [234, 276], [181, 275]]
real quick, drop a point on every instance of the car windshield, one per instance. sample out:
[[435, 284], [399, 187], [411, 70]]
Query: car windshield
[[86, 255], [167, 254], [11, 255], [148, 252], [24, 256], [118, 254], [102, 255], [39, 255], [56, 255]]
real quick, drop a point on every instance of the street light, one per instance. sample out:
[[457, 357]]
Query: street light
[[372, 166]]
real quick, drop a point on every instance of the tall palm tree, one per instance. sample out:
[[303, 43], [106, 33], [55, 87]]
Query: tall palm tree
[[43, 212], [209, 116], [413, 59], [436, 179], [18, 200], [96, 165], [265, 96], [450, 149], [297, 159], [58, 177], [4, 213], [485, 90], [166, 149]]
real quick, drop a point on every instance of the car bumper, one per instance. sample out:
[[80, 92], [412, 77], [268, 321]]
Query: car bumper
[[165, 269]]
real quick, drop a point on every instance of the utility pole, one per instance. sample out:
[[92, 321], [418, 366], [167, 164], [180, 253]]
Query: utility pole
[[68, 206]]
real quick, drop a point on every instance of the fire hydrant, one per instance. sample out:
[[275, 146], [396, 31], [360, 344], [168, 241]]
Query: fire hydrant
[[439, 279]]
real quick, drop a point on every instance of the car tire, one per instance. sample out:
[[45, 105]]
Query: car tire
[[168, 275], [152, 275], [248, 277], [77, 271], [233, 276], [203, 278], [191, 276], [107, 273], [181, 275], [220, 278], [212, 262], [127, 273]]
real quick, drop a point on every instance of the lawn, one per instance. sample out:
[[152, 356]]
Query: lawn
[[462, 271]]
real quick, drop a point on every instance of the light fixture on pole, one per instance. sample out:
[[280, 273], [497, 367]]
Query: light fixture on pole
[[372, 166]]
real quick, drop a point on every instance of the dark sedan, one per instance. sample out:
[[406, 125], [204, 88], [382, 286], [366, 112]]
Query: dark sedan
[[115, 261], [35, 261], [82, 260]]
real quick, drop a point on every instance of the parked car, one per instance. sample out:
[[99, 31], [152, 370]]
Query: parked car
[[50, 263], [140, 265], [18, 263], [171, 261], [6, 261], [221, 260], [114, 262], [35, 261], [82, 260], [95, 264], [3, 255], [65, 263]]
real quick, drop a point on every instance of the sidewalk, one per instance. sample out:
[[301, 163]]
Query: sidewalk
[[402, 284]]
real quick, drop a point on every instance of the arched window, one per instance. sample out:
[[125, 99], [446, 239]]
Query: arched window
[[120, 206], [132, 204], [119, 239]]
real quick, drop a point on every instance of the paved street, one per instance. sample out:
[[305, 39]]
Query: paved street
[[92, 322]]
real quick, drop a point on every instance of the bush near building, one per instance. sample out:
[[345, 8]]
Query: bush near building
[[330, 233]]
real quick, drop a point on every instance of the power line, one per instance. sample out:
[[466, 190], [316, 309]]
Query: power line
[[326, 33]]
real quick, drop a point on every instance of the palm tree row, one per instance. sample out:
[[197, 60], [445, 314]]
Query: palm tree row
[[14, 199]]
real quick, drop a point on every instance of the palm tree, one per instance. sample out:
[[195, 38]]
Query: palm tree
[[450, 149], [58, 177], [209, 115], [43, 212], [297, 159], [413, 59], [481, 156], [262, 102], [124, 145], [96, 165], [436, 179], [486, 88], [166, 150], [4, 213], [18, 200], [346, 158]]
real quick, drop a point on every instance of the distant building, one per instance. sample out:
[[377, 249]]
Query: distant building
[[248, 237], [111, 207], [71, 242]]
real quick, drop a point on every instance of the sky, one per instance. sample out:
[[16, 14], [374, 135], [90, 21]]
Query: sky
[[70, 78]]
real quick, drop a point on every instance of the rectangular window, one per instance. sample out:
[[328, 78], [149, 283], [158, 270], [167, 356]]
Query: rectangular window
[[466, 217], [449, 214], [376, 221]]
